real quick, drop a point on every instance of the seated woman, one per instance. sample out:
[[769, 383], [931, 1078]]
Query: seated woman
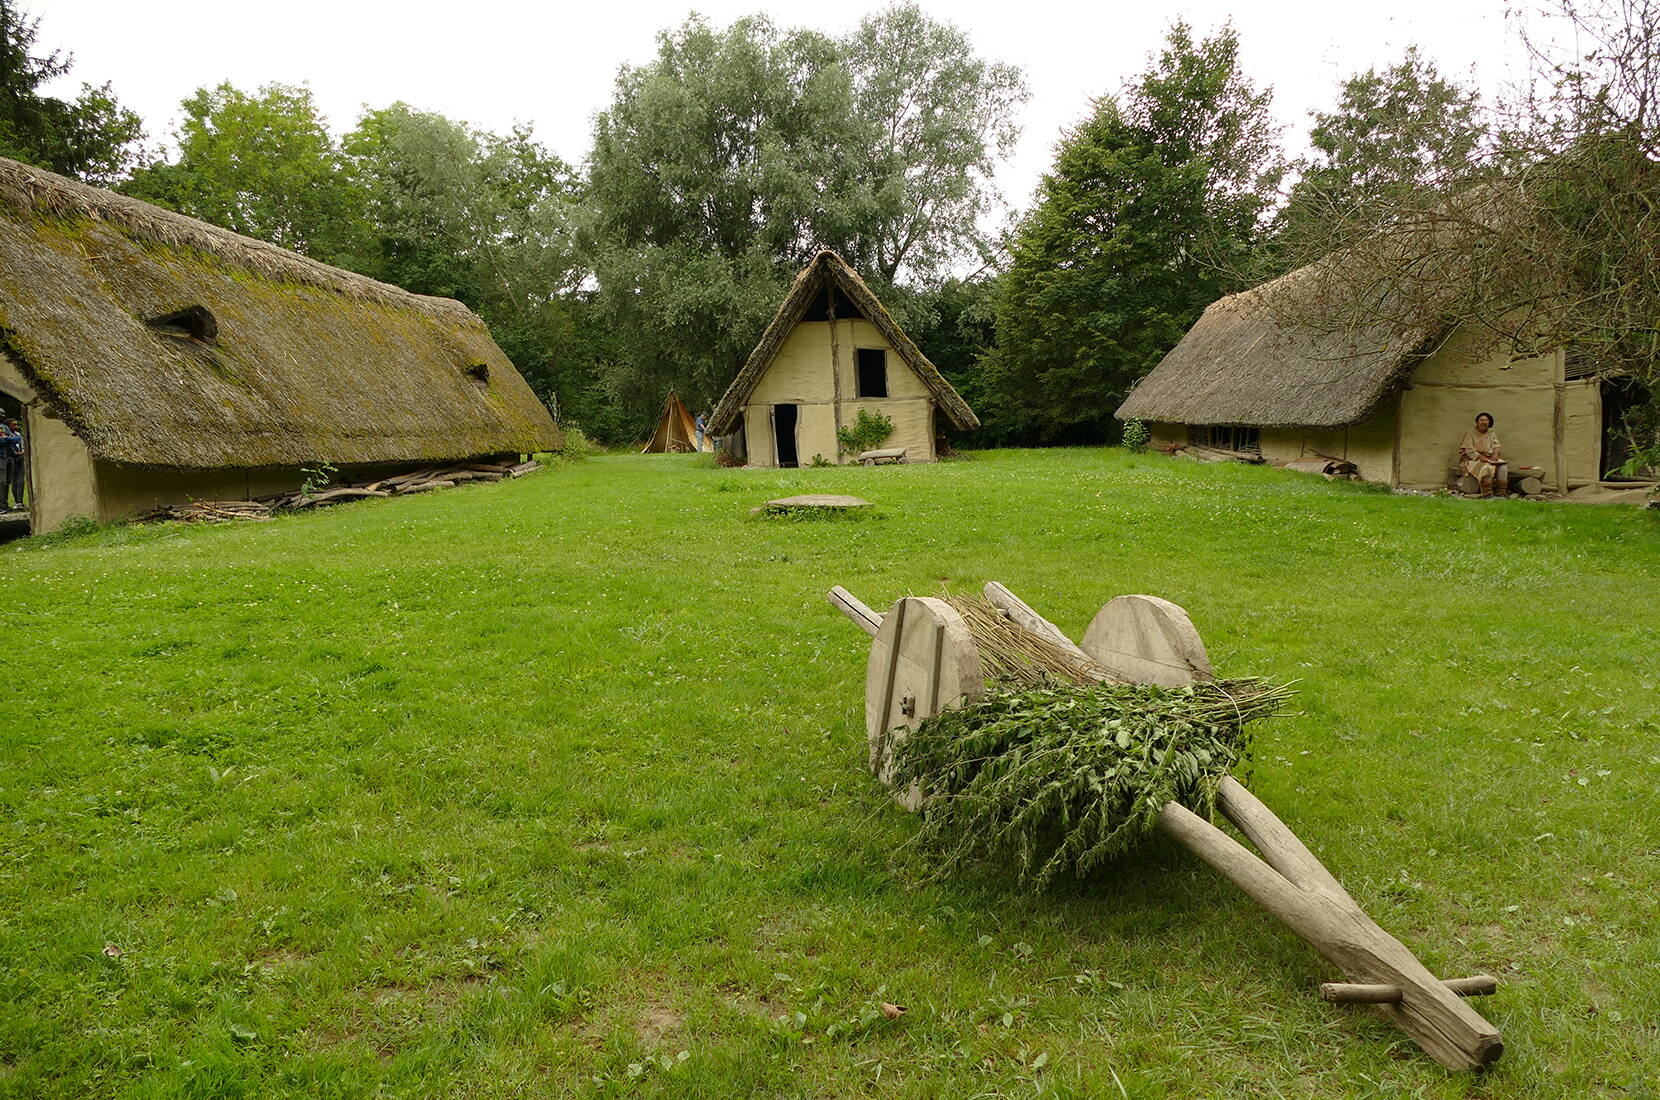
[[1481, 458]]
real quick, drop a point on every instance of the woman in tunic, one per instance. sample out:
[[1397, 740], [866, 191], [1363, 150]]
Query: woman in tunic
[[1482, 458]]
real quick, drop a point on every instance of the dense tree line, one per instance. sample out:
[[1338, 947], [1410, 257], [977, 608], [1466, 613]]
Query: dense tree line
[[727, 159]]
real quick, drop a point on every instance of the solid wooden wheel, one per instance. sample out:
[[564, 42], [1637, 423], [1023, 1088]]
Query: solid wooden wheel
[[922, 660], [1146, 640]]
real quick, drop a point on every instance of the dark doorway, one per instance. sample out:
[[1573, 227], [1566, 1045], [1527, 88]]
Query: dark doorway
[[873, 372], [783, 434], [1623, 403], [14, 521]]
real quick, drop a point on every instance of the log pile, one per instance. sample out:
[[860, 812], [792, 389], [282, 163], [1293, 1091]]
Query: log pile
[[423, 480], [1217, 454]]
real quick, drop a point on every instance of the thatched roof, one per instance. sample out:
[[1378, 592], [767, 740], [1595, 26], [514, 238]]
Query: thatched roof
[[1248, 361], [828, 267], [164, 341]]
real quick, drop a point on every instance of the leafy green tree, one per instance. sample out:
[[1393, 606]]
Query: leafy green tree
[[91, 137], [1151, 201], [1402, 130], [264, 165], [725, 162], [489, 219], [934, 119]]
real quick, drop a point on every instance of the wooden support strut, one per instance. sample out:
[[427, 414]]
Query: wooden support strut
[[1296, 888]]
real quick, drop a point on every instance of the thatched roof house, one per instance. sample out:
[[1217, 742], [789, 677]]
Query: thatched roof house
[[1394, 398], [827, 354], [161, 357]]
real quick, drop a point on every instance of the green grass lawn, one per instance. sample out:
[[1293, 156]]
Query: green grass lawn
[[556, 786]]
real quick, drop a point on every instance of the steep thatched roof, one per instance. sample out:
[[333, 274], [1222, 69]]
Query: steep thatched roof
[[164, 341], [828, 267], [1249, 361]]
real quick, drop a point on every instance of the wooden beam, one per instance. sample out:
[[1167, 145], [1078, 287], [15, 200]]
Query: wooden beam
[[1022, 615], [848, 604], [1446, 1028]]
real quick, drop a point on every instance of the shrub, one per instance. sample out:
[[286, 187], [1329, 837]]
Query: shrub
[[867, 432], [1136, 436]]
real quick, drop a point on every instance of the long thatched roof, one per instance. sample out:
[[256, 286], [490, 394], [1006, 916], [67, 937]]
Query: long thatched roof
[[1252, 359], [828, 268], [164, 341]]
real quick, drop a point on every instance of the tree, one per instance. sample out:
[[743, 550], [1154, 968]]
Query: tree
[[488, 219], [727, 161], [264, 165], [1405, 129], [1150, 203], [92, 137], [934, 121]]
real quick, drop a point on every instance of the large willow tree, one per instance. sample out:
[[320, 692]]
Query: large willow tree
[[726, 161]]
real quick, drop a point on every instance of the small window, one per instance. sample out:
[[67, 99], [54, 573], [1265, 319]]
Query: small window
[[192, 323], [1226, 437], [480, 371], [1577, 363], [873, 372]]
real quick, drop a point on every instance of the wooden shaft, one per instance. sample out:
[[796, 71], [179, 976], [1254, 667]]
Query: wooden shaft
[[1352, 993], [1022, 615], [1280, 846], [1477, 985], [848, 604], [1449, 1031]]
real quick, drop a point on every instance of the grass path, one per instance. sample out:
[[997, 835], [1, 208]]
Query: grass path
[[554, 787]]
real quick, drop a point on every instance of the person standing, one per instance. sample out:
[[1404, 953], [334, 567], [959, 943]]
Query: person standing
[[11, 449]]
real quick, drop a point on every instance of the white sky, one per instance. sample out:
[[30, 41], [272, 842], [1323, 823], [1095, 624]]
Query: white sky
[[494, 62]]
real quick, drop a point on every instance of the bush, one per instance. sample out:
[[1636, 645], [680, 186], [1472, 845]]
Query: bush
[[577, 445], [1136, 435], [727, 459], [867, 432]]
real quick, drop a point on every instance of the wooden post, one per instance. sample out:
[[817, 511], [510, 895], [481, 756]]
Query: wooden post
[[835, 362], [1559, 424]]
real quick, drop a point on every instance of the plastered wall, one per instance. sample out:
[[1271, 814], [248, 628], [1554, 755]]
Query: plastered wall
[[61, 482], [800, 375], [1446, 391], [1370, 445]]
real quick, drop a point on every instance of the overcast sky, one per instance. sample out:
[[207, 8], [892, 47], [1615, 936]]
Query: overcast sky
[[495, 62]]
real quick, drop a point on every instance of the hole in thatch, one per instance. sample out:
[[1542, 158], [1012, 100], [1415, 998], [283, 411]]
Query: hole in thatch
[[480, 371], [194, 322]]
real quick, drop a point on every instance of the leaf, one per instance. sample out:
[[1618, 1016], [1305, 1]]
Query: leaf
[[243, 1034], [111, 951], [892, 1011]]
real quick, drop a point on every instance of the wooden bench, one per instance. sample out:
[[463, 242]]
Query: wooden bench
[[884, 457]]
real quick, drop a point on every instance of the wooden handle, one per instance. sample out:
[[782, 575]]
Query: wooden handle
[[1450, 1031], [848, 604]]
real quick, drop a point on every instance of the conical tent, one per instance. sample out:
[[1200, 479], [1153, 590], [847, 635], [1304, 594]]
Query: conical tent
[[676, 431]]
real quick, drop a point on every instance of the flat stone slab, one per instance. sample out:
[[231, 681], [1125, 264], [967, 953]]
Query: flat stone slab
[[813, 502]]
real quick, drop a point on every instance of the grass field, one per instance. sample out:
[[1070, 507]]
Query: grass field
[[555, 787]]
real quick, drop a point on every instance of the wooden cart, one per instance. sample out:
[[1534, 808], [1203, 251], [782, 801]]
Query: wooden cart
[[923, 659]]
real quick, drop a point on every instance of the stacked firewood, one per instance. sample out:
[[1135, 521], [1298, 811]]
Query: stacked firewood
[[423, 480]]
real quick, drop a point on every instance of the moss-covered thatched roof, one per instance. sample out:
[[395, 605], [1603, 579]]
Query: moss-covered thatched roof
[[828, 267], [1250, 360], [164, 341]]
